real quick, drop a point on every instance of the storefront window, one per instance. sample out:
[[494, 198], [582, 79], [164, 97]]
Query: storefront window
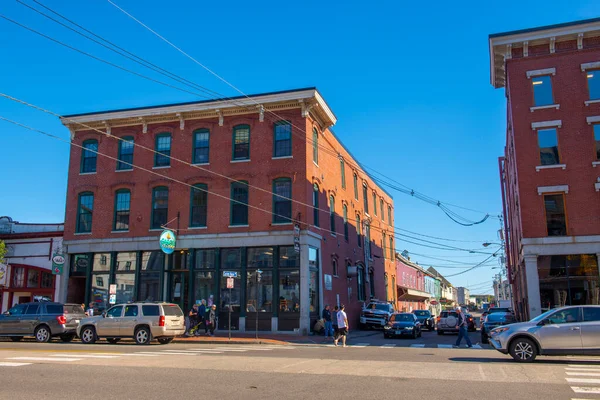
[[100, 291], [288, 257], [181, 260], [206, 259], [153, 260], [33, 278], [126, 261], [313, 283], [259, 291], [260, 257], [18, 277], [231, 259], [149, 289], [47, 280], [101, 262], [231, 297], [125, 287], [289, 291], [204, 286], [79, 265]]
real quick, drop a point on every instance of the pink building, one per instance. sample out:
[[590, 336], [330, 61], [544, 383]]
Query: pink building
[[410, 280]]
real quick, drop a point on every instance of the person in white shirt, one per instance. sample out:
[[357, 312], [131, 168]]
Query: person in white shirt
[[342, 321], [90, 311]]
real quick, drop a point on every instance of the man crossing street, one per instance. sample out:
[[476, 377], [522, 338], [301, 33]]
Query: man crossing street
[[462, 329]]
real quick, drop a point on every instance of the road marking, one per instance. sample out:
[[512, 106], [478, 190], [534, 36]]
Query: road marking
[[140, 355], [582, 380], [583, 366], [44, 359], [166, 354], [242, 349], [13, 364], [232, 350], [590, 390], [482, 373], [583, 373], [444, 346], [582, 369], [476, 346], [416, 345], [359, 345], [194, 351], [85, 356], [387, 346]]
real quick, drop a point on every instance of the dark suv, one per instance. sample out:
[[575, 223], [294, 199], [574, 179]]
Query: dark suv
[[425, 318], [42, 320]]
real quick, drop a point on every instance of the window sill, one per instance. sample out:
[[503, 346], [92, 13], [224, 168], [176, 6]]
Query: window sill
[[555, 166], [124, 170], [281, 223], [557, 106], [597, 186], [333, 234], [238, 226], [201, 163], [281, 157], [240, 161], [156, 229], [315, 163], [197, 227], [595, 163], [127, 231], [162, 167], [82, 233], [87, 173], [336, 276], [588, 102]]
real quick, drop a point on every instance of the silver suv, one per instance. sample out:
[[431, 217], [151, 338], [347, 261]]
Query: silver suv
[[573, 330], [141, 321], [42, 320], [447, 322]]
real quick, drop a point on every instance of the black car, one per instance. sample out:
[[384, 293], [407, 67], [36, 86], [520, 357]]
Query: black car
[[425, 318], [471, 326], [495, 320], [402, 324]]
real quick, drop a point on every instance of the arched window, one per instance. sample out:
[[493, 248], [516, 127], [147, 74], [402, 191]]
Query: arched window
[[360, 281], [355, 179], [343, 172], [282, 201], [122, 209], [345, 212], [160, 207], [89, 156], [85, 208], [316, 205], [334, 264], [390, 215], [358, 231], [384, 245], [371, 283], [381, 209], [375, 203], [241, 142], [201, 146], [315, 140], [365, 198], [125, 155], [332, 214], [282, 139], [198, 205]]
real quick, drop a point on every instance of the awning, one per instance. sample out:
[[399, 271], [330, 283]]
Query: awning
[[408, 294]]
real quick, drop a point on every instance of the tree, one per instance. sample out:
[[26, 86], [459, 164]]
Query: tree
[[3, 251]]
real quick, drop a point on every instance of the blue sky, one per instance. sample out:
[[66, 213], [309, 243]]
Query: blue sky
[[409, 84]]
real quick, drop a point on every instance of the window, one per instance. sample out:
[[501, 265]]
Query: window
[[591, 314], [593, 79], [315, 140], [358, 231], [241, 142], [33, 309], [392, 248], [163, 150], [355, 179], [384, 245], [381, 209], [131, 311], [343, 172], [360, 280], [160, 207], [33, 278], [239, 203], [115, 312], [332, 214], [556, 220], [390, 215], [345, 212], [334, 265], [89, 156], [542, 90], [201, 146], [125, 154], [150, 311], [568, 316], [375, 203], [316, 205], [365, 198], [198, 205], [84, 212], [122, 204], [368, 241], [371, 284], [282, 201], [548, 144], [597, 140], [282, 141]]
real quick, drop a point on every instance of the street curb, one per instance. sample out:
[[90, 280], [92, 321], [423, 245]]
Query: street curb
[[226, 341]]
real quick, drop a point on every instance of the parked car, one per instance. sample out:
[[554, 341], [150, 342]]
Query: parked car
[[375, 314], [495, 320], [571, 330], [141, 321], [402, 324], [425, 319], [496, 310], [42, 320], [447, 321], [471, 325]]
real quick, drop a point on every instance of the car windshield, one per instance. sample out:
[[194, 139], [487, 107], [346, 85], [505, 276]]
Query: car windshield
[[500, 317], [498, 310], [422, 313], [172, 310], [402, 318], [382, 307], [542, 316]]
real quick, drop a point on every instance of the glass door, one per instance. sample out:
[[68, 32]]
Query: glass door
[[178, 290]]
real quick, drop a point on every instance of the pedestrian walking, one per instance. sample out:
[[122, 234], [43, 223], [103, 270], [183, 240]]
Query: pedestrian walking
[[192, 320], [212, 319], [342, 326], [335, 322], [328, 323], [462, 329]]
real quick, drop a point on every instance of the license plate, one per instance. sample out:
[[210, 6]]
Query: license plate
[[76, 321], [398, 332]]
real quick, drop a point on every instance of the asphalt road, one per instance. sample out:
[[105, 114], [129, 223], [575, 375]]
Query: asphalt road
[[30, 370]]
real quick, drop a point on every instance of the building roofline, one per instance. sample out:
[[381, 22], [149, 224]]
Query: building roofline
[[544, 28]]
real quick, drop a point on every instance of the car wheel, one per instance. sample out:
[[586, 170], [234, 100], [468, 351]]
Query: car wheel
[[16, 338], [165, 340], [88, 335], [523, 350], [67, 338], [143, 335], [113, 340], [42, 334]]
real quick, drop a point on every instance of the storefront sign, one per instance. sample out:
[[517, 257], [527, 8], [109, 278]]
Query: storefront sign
[[112, 289], [82, 262], [3, 274], [328, 282], [297, 238], [167, 241], [230, 274], [113, 299], [58, 262], [229, 283]]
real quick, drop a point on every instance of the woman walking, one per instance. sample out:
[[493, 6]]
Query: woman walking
[[212, 320]]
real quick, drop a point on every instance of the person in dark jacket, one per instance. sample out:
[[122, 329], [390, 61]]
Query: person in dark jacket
[[212, 320], [202, 316], [327, 318], [335, 322]]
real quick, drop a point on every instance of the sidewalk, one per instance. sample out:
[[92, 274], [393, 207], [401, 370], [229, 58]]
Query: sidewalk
[[266, 338]]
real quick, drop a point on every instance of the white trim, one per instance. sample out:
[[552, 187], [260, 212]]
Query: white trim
[[156, 229], [87, 173], [551, 189], [82, 233], [588, 102], [281, 158], [593, 119], [532, 109], [162, 167], [595, 163], [197, 227], [238, 226], [546, 34], [315, 163], [281, 223], [554, 166], [124, 170], [127, 231], [590, 65], [206, 163], [597, 186], [240, 161], [540, 72], [546, 124]]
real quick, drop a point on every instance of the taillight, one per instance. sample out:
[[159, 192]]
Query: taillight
[[470, 319], [61, 319], [161, 320], [439, 318]]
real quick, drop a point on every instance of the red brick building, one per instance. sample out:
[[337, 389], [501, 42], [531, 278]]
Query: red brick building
[[550, 174], [232, 178]]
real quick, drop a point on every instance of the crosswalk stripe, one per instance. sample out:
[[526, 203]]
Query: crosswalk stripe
[[232, 350], [359, 345], [581, 373], [583, 366], [417, 345], [476, 346], [582, 369], [387, 346], [194, 351], [589, 390], [582, 380], [444, 346], [140, 355], [85, 356], [167, 354], [44, 359], [13, 364]]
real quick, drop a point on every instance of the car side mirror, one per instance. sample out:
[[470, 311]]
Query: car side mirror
[[543, 322], [103, 314]]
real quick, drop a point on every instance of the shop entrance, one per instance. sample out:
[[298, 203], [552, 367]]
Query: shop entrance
[[76, 290], [178, 289]]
